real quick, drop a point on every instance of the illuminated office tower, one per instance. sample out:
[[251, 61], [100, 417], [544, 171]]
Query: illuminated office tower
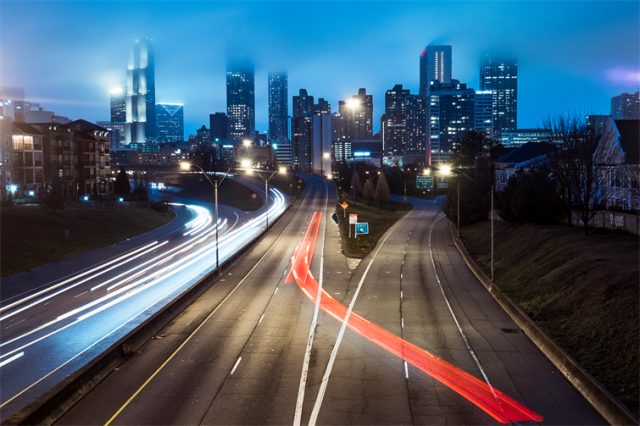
[[141, 93], [169, 122], [278, 106], [241, 114], [392, 123], [119, 105], [416, 130], [625, 106], [435, 65], [483, 120], [500, 75]]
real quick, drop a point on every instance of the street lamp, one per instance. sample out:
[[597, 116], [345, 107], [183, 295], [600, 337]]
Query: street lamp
[[353, 103], [447, 171], [215, 184], [246, 143], [266, 187]]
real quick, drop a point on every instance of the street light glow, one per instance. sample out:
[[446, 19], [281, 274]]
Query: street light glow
[[353, 103], [426, 172], [246, 142], [246, 163], [185, 166], [326, 155], [446, 170], [283, 169]]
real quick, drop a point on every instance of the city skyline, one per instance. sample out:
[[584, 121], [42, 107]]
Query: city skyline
[[556, 74]]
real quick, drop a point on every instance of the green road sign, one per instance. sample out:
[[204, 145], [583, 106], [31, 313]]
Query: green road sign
[[425, 182], [443, 182], [362, 228]]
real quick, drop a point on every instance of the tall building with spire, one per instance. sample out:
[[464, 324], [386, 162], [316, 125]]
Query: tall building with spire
[[241, 111], [435, 65], [278, 106], [140, 100], [499, 73]]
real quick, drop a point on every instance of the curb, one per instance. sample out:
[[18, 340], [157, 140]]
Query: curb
[[52, 404], [607, 405]]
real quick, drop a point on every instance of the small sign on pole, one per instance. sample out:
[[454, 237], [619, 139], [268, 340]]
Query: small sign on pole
[[344, 206], [362, 228], [424, 182], [443, 182], [353, 219]]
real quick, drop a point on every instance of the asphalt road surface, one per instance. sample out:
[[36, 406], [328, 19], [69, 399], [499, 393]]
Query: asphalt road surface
[[56, 318], [260, 347]]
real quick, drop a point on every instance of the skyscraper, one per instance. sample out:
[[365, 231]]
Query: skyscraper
[[451, 115], [500, 74], [278, 106], [241, 113], [625, 106], [483, 120], [118, 105], [416, 131], [435, 65], [218, 126], [141, 93], [359, 122], [392, 123], [169, 122]]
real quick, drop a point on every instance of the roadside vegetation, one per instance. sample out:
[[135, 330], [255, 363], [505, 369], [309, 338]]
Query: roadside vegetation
[[583, 292], [31, 236]]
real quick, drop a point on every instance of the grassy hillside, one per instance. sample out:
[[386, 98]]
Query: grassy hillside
[[582, 291]]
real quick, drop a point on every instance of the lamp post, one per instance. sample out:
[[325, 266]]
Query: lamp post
[[246, 143], [447, 170], [215, 184], [326, 157], [353, 103], [266, 188]]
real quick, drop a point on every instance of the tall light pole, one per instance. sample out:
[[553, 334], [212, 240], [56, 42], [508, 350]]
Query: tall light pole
[[326, 157], [215, 184], [246, 143], [266, 188], [353, 103]]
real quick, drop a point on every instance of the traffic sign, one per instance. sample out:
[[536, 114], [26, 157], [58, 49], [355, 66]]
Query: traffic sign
[[362, 228], [443, 182], [425, 182], [344, 205], [299, 180], [254, 196], [353, 218]]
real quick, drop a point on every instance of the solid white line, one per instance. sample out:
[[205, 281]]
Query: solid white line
[[334, 352], [464, 337], [236, 365], [13, 358], [307, 355]]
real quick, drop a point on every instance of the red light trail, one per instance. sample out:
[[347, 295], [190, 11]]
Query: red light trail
[[498, 405]]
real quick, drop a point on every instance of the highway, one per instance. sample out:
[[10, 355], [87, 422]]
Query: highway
[[296, 334], [57, 318]]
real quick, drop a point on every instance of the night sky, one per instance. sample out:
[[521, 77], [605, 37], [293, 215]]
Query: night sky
[[68, 55]]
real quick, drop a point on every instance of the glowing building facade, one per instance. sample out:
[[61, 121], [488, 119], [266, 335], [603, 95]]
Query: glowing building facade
[[241, 112], [169, 123], [141, 93], [278, 106], [435, 65], [500, 75]]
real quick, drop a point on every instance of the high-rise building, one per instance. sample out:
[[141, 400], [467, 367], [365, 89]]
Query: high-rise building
[[392, 123], [358, 122], [416, 128], [241, 114], [278, 106], [218, 126], [483, 114], [301, 144], [625, 106], [451, 115], [321, 141], [141, 93], [435, 65], [169, 122], [119, 104], [500, 74]]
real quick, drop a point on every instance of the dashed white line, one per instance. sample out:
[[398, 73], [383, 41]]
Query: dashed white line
[[13, 358], [236, 365], [406, 370], [81, 294], [401, 296], [402, 321], [261, 319], [276, 290]]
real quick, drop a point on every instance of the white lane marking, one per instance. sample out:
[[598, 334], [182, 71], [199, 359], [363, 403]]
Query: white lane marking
[[235, 366], [334, 352], [261, 319], [13, 358], [15, 324], [402, 321], [81, 294], [401, 295], [464, 337], [401, 276], [276, 290], [307, 354], [406, 370]]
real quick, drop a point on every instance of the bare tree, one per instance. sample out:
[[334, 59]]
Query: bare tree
[[382, 193], [579, 175], [368, 190]]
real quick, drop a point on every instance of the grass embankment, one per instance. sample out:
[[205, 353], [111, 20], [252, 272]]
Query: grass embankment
[[582, 291], [30, 237], [379, 222]]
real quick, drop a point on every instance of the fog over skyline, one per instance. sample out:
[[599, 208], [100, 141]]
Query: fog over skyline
[[68, 55]]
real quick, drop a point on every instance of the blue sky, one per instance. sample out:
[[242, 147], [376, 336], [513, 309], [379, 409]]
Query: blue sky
[[67, 55]]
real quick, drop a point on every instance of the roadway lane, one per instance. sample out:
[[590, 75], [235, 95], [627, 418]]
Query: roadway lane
[[256, 350], [55, 328]]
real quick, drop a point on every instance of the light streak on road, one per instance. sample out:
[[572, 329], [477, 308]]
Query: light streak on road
[[190, 259], [498, 405]]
